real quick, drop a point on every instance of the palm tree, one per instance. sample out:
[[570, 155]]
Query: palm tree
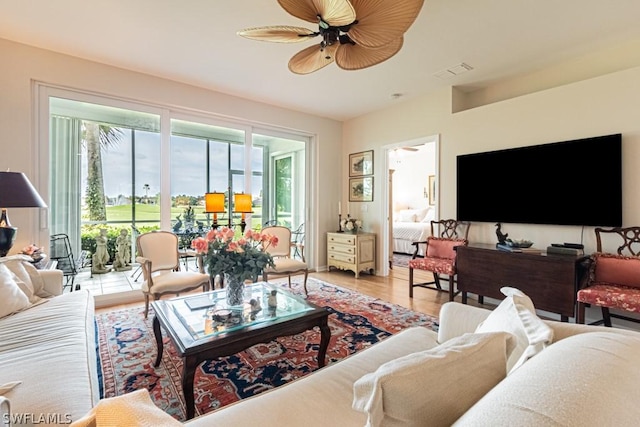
[[97, 136]]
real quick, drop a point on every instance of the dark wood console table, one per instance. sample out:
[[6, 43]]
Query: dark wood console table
[[551, 281]]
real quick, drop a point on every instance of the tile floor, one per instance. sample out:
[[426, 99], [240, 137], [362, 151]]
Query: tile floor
[[115, 281]]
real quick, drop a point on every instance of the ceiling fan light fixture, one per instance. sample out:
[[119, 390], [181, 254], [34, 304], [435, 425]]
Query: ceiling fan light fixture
[[375, 36]]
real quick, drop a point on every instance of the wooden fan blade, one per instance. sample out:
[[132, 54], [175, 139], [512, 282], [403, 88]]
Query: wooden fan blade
[[312, 59], [278, 34], [355, 57], [334, 12], [381, 21]]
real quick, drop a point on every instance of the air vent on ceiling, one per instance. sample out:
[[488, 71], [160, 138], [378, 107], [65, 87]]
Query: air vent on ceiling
[[456, 70]]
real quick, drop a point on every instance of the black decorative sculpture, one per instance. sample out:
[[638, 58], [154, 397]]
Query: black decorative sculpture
[[502, 238]]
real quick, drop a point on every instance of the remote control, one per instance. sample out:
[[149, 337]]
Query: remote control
[[574, 245], [557, 245]]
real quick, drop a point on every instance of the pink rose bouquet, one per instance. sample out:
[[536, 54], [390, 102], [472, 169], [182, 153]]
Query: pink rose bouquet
[[244, 257]]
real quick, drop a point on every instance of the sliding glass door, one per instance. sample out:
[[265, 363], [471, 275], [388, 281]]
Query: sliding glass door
[[113, 166]]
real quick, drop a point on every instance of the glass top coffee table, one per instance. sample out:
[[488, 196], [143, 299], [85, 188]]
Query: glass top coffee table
[[203, 327]]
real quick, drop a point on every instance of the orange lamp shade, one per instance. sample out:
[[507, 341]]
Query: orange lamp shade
[[242, 203], [214, 202]]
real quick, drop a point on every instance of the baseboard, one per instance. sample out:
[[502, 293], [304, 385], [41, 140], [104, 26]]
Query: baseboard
[[107, 300]]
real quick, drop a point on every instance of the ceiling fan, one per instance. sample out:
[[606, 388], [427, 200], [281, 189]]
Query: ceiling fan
[[355, 34]]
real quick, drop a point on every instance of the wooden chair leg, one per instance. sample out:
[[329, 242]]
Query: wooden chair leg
[[289, 281], [306, 274], [410, 282], [451, 284], [436, 280], [580, 315], [606, 316], [146, 305]]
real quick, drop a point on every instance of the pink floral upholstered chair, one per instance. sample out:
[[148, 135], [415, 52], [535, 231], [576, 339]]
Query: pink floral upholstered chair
[[440, 255], [614, 278]]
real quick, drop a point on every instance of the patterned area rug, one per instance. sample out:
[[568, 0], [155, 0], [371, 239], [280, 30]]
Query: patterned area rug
[[127, 350], [401, 260]]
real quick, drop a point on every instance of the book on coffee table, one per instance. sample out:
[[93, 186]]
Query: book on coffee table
[[202, 301]]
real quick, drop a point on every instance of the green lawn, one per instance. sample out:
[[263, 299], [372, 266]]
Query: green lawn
[[144, 213]]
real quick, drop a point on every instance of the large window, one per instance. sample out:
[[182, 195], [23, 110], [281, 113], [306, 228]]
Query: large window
[[115, 168], [103, 171]]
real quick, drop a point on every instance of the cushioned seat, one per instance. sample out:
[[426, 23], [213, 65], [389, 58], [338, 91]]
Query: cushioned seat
[[165, 282], [614, 278], [625, 298], [436, 265], [160, 261], [281, 253], [440, 258]]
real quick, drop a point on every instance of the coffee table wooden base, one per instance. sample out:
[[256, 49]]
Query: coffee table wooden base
[[237, 342]]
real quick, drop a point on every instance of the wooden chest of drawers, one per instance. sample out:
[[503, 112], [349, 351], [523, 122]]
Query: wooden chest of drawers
[[355, 252]]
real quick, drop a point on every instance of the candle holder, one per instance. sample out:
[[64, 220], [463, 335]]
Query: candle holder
[[340, 230]]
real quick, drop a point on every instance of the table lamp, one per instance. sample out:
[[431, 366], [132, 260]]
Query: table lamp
[[214, 203], [15, 192], [242, 204]]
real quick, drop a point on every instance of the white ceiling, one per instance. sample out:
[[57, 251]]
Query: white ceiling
[[195, 42]]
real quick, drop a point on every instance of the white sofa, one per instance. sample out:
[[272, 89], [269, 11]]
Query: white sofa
[[49, 350], [581, 375], [581, 379]]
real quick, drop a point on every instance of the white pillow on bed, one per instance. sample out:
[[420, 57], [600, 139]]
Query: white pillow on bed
[[421, 214], [407, 215], [430, 216]]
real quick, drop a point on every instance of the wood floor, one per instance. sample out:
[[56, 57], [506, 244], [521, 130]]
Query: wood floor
[[393, 288]]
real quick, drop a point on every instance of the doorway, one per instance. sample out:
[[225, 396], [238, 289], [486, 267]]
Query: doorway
[[410, 197]]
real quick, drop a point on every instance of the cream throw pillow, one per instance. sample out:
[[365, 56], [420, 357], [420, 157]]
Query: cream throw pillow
[[433, 387], [12, 299], [27, 277], [135, 409], [517, 315]]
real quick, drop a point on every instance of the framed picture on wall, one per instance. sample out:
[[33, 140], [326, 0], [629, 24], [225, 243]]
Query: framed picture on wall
[[361, 164], [361, 189], [432, 189]]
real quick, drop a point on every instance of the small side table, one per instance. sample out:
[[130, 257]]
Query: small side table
[[348, 251]]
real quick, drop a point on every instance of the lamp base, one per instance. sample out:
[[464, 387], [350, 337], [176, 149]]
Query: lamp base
[[7, 237]]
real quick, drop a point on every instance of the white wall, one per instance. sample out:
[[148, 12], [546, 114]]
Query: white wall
[[602, 105], [22, 65]]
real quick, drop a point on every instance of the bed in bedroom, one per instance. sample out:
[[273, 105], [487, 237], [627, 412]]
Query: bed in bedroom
[[411, 225]]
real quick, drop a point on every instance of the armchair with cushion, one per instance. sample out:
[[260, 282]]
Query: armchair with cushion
[[160, 261], [440, 255], [614, 278], [281, 253]]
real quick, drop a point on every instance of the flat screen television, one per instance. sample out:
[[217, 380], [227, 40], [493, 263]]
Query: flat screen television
[[576, 182]]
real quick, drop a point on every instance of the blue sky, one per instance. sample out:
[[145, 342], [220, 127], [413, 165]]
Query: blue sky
[[188, 166]]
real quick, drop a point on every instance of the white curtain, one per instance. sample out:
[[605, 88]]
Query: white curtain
[[65, 179]]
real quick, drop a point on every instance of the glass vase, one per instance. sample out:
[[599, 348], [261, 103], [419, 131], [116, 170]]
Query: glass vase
[[235, 290]]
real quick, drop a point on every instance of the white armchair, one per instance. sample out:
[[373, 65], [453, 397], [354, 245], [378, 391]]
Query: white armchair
[[160, 261], [285, 265]]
